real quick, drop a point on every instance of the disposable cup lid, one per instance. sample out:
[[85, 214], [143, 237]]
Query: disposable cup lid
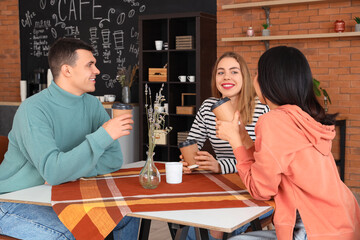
[[187, 143], [122, 106], [218, 103]]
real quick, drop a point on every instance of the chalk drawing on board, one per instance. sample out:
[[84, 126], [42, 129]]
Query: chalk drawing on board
[[121, 18], [42, 4], [94, 40], [111, 11], [131, 13], [72, 31], [109, 83], [119, 39], [44, 21], [27, 22], [105, 34], [54, 33], [57, 22]]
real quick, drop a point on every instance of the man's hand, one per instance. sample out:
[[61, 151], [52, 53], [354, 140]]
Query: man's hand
[[119, 126]]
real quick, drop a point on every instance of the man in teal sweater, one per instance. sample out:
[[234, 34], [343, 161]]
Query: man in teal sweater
[[60, 135]]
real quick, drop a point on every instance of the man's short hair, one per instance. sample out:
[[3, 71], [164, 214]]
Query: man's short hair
[[63, 51]]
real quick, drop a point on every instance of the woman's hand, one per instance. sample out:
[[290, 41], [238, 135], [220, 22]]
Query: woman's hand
[[185, 165], [230, 131], [207, 162]]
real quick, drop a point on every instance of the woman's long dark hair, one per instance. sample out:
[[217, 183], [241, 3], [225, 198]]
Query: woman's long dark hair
[[285, 77]]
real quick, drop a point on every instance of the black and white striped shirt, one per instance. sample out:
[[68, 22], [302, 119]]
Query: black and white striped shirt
[[203, 128]]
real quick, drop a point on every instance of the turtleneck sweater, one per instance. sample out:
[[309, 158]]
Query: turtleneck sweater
[[58, 137]]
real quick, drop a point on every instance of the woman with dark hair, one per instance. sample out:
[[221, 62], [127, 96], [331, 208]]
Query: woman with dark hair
[[291, 160]]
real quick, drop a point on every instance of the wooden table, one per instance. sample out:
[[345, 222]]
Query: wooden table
[[223, 219]]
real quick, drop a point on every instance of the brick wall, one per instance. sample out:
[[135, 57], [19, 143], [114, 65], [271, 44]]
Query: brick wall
[[335, 62], [10, 72]]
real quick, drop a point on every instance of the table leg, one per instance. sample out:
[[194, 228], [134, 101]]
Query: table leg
[[226, 235], [110, 236], [204, 234], [182, 233], [255, 224], [144, 229]]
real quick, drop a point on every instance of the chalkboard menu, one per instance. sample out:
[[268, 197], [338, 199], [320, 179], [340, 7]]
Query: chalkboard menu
[[110, 26]]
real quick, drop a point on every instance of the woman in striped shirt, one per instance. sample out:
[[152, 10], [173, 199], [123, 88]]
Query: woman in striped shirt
[[230, 78]]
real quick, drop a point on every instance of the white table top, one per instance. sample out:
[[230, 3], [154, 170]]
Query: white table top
[[224, 219]]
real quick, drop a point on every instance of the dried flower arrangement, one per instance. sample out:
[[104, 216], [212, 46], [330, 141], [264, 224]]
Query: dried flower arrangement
[[126, 77], [149, 176], [155, 119]]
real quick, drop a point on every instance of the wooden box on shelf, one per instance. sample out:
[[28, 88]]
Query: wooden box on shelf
[[157, 74], [188, 110], [185, 109], [184, 42], [160, 137]]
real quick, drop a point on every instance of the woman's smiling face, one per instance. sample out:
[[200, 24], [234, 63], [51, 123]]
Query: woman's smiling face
[[228, 77]]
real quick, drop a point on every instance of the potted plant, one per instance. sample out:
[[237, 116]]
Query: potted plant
[[126, 78], [357, 25], [265, 31], [319, 90]]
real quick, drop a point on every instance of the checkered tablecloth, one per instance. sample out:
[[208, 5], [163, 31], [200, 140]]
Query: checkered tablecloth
[[91, 207]]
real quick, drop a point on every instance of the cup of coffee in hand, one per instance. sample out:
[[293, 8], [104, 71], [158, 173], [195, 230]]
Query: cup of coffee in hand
[[120, 109], [223, 109], [188, 150]]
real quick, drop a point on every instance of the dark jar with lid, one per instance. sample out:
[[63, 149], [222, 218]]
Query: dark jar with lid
[[339, 26]]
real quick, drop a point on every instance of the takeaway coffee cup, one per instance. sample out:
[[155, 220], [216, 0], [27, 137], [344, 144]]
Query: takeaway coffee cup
[[120, 109], [188, 150], [173, 172], [223, 109]]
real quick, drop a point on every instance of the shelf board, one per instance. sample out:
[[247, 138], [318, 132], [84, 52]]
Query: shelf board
[[267, 4], [297, 36], [169, 50]]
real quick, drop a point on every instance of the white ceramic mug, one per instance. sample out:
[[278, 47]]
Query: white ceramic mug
[[158, 44], [173, 172], [109, 98], [191, 78], [182, 78]]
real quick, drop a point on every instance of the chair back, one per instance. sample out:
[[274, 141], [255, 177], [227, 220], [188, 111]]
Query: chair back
[[4, 142]]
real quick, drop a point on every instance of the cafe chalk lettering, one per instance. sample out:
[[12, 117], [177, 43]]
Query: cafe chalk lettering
[[69, 10]]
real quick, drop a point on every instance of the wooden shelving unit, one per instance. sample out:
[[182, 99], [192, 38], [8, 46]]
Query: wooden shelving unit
[[295, 36], [196, 61], [267, 4]]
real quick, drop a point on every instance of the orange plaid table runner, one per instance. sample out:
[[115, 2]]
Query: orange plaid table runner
[[91, 207]]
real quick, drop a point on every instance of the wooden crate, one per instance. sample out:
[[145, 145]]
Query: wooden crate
[[189, 110], [160, 137], [185, 110], [157, 74]]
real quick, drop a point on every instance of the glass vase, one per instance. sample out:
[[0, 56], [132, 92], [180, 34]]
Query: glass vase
[[125, 94], [149, 176]]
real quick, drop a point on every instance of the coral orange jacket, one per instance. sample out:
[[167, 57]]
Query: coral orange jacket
[[292, 162]]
